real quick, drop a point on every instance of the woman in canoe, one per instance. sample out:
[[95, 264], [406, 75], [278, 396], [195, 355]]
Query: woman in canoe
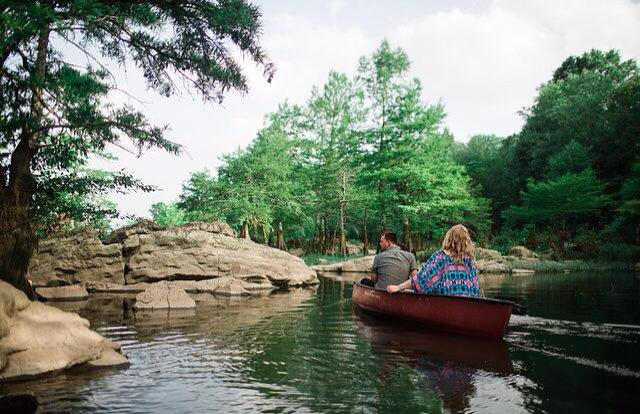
[[451, 271]]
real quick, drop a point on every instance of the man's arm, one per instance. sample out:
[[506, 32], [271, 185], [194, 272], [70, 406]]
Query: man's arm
[[373, 272]]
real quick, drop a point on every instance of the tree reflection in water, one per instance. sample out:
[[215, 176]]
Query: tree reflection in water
[[446, 362]]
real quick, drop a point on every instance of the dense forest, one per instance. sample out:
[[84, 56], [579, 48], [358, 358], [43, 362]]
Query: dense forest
[[367, 154]]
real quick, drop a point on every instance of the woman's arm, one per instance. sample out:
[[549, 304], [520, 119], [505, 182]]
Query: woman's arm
[[420, 280]]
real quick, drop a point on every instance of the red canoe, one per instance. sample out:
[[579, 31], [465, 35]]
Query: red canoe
[[468, 316]]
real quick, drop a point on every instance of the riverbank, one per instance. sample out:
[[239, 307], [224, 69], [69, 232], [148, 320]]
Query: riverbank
[[520, 260]]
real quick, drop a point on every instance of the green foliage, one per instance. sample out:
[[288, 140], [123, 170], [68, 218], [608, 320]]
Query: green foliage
[[168, 214], [566, 182], [259, 185], [573, 158], [77, 198], [569, 197], [363, 153], [55, 112]]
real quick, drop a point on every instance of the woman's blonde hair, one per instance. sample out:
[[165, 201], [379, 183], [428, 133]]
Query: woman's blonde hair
[[457, 242]]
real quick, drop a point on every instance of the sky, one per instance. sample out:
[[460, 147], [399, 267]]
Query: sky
[[482, 59]]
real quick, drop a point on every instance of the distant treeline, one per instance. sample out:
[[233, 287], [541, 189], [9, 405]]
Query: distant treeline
[[367, 154]]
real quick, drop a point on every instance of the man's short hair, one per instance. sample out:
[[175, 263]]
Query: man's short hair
[[391, 237]]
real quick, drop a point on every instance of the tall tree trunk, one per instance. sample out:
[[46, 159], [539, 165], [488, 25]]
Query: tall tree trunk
[[325, 235], [264, 234], [281, 244], [365, 240], [17, 238], [406, 235], [332, 247], [343, 201], [244, 234]]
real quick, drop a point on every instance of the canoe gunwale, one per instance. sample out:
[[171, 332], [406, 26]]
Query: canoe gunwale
[[412, 293]]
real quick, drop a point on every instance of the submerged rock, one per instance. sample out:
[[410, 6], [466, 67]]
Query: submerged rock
[[62, 293], [522, 271], [36, 338], [76, 259], [163, 295]]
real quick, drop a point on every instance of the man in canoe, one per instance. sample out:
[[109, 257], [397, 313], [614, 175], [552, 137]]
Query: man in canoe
[[450, 271], [393, 265]]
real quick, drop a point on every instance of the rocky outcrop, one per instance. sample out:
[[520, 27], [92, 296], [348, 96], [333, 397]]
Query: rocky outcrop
[[487, 254], [489, 261], [522, 252], [145, 252], [522, 271], [491, 266], [163, 296], [36, 338], [76, 259], [360, 265], [208, 250], [62, 293]]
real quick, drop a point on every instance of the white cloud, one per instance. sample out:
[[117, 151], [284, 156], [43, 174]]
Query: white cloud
[[336, 6]]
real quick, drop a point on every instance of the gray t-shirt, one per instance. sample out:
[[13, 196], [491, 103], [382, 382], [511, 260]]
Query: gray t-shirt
[[393, 266]]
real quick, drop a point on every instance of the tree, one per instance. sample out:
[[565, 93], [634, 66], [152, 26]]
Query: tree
[[567, 200], [488, 161], [332, 115], [168, 214], [594, 100], [47, 101], [382, 76], [629, 207], [259, 186]]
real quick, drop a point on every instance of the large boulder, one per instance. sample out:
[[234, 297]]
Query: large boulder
[[488, 254], [207, 250], [76, 259], [491, 266], [36, 338], [164, 296], [522, 252]]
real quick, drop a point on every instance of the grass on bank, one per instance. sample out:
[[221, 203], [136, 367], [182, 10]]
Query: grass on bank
[[551, 266]]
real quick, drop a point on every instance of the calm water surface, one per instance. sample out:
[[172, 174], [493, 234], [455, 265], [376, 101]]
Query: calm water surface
[[308, 351]]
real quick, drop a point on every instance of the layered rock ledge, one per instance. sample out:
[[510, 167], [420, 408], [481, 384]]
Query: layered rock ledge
[[36, 339], [147, 253]]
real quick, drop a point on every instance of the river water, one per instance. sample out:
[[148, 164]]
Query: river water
[[577, 350]]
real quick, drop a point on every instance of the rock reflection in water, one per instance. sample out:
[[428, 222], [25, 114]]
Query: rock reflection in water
[[447, 362]]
